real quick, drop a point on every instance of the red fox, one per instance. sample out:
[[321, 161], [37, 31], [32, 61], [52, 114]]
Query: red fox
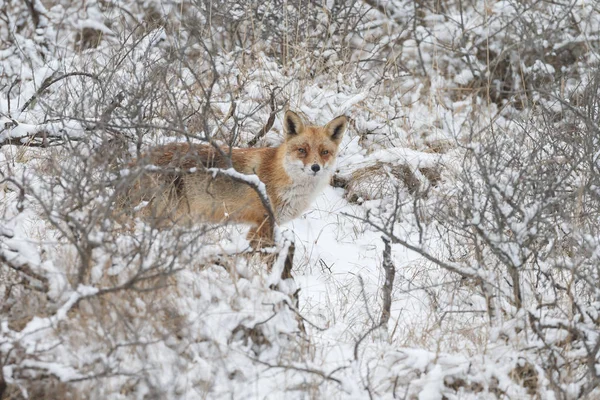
[[293, 173]]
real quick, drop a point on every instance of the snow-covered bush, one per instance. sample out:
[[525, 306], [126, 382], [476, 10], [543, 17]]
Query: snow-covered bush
[[518, 222]]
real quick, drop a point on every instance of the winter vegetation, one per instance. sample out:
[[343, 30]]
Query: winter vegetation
[[455, 255]]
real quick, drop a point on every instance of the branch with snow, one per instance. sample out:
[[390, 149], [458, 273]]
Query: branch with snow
[[16, 133]]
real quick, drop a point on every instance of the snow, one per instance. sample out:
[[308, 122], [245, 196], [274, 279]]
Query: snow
[[94, 24], [253, 180], [13, 130], [464, 77]]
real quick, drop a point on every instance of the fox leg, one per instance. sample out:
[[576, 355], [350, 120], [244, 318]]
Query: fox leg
[[261, 235]]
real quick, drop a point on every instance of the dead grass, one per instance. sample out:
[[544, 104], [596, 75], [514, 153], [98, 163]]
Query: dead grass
[[525, 375], [46, 389], [87, 38]]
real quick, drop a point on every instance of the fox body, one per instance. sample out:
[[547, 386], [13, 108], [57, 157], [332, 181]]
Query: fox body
[[293, 173]]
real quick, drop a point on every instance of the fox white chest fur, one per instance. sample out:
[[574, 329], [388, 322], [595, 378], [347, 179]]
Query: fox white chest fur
[[296, 198]]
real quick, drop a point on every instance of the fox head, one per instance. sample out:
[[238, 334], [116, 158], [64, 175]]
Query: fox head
[[311, 150]]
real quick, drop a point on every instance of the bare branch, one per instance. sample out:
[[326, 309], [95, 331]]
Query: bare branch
[[390, 273], [27, 271]]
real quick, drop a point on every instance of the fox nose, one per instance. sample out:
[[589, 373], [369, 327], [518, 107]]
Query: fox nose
[[315, 168]]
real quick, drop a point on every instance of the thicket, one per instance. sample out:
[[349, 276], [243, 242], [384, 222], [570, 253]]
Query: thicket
[[477, 127]]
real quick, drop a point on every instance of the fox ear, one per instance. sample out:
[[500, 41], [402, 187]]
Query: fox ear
[[292, 124], [336, 128]]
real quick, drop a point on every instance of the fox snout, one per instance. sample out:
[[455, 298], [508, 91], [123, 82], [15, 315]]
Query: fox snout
[[314, 169]]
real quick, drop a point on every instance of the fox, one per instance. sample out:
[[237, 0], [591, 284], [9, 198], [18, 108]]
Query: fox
[[294, 174]]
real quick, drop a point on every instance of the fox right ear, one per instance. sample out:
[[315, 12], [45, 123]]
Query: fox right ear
[[336, 128], [292, 124]]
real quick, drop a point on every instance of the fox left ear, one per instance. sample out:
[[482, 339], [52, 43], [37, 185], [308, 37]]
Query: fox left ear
[[336, 128], [292, 124]]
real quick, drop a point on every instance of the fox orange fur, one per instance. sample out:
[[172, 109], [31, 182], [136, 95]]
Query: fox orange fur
[[294, 174]]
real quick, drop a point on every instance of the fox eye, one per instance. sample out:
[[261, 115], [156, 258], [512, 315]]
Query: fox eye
[[302, 151], [325, 152]]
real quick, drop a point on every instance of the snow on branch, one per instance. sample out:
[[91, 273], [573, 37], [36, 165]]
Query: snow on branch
[[38, 324], [16, 133]]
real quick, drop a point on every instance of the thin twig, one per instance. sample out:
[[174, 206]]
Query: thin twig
[[269, 124], [48, 83], [301, 369]]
